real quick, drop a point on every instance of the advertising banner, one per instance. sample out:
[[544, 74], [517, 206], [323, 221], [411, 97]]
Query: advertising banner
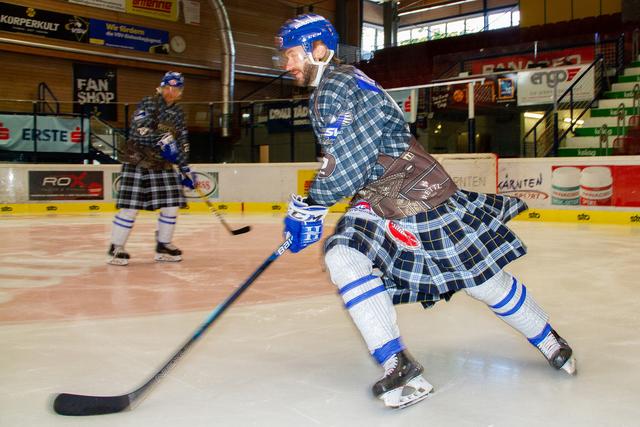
[[66, 185], [496, 89], [19, 132], [117, 5], [206, 181], [539, 86], [553, 58], [407, 100], [565, 185], [94, 91], [161, 9], [125, 36], [279, 116], [28, 20]]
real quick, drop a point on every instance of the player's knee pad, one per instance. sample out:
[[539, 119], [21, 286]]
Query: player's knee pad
[[507, 297], [367, 300]]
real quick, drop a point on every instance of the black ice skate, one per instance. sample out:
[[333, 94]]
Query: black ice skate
[[168, 252], [117, 255], [558, 353], [402, 384]]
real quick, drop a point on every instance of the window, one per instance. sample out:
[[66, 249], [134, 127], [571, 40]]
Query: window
[[474, 25], [499, 20], [515, 18], [372, 40], [404, 37], [455, 28], [438, 31]]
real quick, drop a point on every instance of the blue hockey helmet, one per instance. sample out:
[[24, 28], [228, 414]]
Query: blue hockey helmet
[[303, 30], [172, 78]]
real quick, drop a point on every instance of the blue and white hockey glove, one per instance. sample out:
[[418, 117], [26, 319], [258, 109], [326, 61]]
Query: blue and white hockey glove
[[188, 177], [169, 148], [303, 223]]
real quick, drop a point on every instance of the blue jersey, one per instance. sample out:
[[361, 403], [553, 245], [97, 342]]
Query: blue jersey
[[354, 120]]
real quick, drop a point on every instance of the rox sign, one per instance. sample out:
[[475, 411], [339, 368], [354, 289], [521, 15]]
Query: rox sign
[[553, 78], [65, 185]]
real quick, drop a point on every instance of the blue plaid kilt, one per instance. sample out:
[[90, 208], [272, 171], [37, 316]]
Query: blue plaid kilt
[[430, 256], [148, 189]]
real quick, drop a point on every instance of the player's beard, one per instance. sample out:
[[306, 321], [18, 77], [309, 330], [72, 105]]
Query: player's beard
[[308, 74]]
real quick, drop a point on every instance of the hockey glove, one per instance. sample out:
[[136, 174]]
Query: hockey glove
[[188, 177], [303, 223], [169, 148]]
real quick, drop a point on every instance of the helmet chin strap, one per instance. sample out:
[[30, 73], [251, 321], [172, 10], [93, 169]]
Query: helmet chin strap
[[320, 66]]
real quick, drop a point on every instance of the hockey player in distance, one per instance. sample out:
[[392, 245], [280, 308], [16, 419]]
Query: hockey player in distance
[[410, 234], [158, 141]]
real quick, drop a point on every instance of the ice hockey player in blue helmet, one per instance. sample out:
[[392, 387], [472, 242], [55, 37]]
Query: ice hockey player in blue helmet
[[410, 234], [158, 144]]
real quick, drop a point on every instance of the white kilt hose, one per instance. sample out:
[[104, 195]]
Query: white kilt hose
[[427, 257], [149, 189]]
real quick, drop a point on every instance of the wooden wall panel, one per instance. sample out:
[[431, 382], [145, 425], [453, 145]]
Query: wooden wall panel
[[585, 8], [532, 12], [611, 6], [558, 10]]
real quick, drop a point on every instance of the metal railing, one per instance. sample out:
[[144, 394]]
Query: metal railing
[[43, 104], [545, 136]]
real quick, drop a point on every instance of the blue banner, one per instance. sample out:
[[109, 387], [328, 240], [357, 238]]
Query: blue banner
[[125, 36], [22, 132]]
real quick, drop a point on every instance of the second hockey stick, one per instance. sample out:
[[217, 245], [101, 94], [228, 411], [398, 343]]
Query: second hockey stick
[[79, 404], [212, 208]]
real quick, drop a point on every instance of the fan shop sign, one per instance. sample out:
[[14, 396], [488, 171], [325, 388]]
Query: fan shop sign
[[540, 86], [29, 20], [43, 134], [94, 91]]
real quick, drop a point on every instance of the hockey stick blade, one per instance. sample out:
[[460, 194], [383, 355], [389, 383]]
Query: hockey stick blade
[[242, 230], [213, 210], [79, 405], [82, 405]]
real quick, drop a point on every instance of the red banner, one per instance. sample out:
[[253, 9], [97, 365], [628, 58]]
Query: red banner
[[553, 58]]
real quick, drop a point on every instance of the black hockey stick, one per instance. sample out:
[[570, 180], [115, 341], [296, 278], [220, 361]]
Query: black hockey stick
[[212, 208], [78, 404]]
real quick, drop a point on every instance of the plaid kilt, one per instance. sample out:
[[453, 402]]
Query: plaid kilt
[[149, 189], [427, 257]]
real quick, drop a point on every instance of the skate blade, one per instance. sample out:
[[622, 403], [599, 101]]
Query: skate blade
[[411, 393], [570, 366], [168, 258], [118, 261]]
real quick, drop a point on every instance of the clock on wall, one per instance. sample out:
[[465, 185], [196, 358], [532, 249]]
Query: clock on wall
[[178, 44]]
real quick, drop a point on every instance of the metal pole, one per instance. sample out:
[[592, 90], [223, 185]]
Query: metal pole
[[292, 135], [126, 121], [252, 141], [35, 132], [211, 151], [471, 123]]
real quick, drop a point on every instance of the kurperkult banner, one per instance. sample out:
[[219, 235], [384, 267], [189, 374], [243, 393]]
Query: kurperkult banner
[[94, 91], [29, 20], [24, 132], [161, 9]]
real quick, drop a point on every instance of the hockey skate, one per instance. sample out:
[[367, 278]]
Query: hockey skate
[[167, 252], [402, 384], [117, 255], [558, 353]]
